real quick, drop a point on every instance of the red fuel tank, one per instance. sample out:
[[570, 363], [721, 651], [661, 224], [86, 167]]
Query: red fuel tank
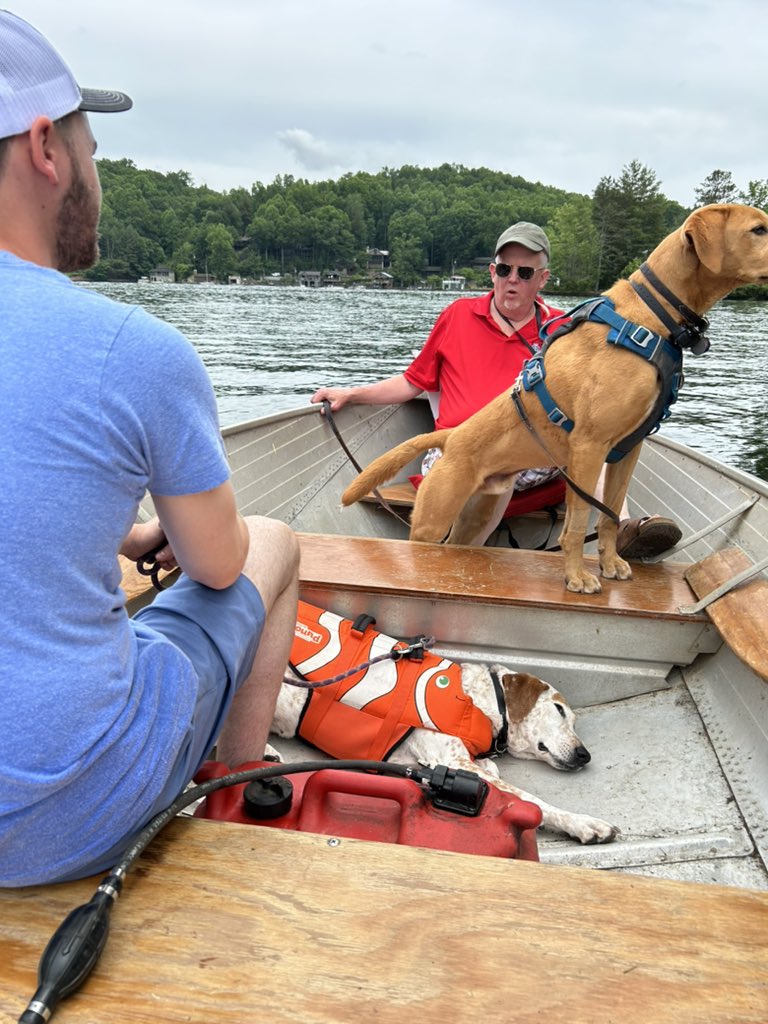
[[384, 809]]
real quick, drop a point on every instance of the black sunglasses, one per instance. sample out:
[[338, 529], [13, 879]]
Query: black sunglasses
[[524, 273]]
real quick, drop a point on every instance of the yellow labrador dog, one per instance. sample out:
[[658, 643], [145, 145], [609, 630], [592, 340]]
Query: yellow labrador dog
[[605, 390]]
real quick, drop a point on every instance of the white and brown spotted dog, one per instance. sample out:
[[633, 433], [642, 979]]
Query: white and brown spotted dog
[[540, 725]]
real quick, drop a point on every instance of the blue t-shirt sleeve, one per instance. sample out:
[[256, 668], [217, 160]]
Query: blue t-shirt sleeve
[[160, 411]]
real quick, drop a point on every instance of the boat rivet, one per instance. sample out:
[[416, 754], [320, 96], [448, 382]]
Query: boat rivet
[[334, 842]]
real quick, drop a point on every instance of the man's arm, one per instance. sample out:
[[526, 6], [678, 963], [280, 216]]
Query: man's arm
[[206, 533], [391, 391]]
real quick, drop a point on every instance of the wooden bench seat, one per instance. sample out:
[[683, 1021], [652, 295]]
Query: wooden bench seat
[[741, 615], [511, 606], [491, 575], [403, 495], [232, 923]]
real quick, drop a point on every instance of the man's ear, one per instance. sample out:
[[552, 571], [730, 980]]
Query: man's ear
[[46, 147]]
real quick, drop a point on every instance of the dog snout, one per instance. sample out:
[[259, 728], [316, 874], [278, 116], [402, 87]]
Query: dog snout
[[582, 756]]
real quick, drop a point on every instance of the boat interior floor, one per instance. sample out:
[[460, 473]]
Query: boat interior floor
[[653, 773]]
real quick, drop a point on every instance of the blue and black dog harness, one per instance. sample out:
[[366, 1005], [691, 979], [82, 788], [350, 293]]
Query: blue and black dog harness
[[665, 354]]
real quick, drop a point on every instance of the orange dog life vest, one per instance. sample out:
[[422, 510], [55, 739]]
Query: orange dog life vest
[[368, 714]]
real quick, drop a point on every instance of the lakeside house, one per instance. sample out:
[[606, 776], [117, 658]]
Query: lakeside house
[[454, 283], [162, 275]]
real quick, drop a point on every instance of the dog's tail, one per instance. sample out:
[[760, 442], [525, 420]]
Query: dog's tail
[[390, 463]]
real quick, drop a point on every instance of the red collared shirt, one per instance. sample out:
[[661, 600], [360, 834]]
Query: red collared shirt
[[469, 359]]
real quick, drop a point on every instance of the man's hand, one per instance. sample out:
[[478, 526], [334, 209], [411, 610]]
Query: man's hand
[[145, 537], [336, 396]]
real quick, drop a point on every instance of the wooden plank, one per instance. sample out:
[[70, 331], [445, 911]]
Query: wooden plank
[[741, 616], [399, 495], [491, 575], [232, 923], [403, 496]]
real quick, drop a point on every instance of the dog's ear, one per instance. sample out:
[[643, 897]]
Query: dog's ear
[[521, 691], [702, 234]]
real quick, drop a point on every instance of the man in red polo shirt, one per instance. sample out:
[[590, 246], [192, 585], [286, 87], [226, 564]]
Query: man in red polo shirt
[[475, 350]]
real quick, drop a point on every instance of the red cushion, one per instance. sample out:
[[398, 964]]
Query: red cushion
[[552, 492]]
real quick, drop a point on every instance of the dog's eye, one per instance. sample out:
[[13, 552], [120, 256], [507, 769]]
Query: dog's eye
[[761, 229], [561, 709]]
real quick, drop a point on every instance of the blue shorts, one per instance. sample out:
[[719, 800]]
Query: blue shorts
[[219, 631]]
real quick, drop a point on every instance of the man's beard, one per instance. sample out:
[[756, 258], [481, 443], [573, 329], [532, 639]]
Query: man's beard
[[77, 241]]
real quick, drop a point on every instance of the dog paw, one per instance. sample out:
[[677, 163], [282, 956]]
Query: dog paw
[[583, 583], [615, 568], [593, 830], [270, 754]]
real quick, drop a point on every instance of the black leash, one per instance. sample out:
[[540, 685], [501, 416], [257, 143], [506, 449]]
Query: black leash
[[584, 495], [148, 565], [326, 406]]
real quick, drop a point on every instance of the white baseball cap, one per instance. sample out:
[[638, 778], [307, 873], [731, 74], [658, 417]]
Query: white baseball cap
[[35, 81]]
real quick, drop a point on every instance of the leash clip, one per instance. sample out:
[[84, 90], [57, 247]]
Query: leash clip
[[415, 649]]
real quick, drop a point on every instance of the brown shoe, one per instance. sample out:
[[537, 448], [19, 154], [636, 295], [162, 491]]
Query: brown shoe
[[646, 537]]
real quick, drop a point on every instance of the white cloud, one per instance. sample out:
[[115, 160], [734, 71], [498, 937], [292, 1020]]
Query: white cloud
[[311, 153], [561, 93]]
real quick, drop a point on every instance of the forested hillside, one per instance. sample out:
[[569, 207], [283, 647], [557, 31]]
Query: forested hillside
[[430, 220]]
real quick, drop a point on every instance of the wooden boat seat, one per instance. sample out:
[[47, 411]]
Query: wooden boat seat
[[490, 575], [230, 923], [741, 615], [403, 495]]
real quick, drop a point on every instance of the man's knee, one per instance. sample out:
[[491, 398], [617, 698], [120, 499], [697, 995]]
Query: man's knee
[[273, 556]]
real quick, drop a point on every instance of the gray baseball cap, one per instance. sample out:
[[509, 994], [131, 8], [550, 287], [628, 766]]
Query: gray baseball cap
[[35, 81], [524, 233]]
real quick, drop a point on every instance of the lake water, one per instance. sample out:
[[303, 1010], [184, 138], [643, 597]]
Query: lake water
[[267, 349]]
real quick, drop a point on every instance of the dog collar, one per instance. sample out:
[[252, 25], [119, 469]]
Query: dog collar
[[500, 742], [690, 333]]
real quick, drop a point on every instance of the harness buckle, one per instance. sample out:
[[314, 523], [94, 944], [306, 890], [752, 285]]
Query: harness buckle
[[558, 417], [532, 372], [641, 336]]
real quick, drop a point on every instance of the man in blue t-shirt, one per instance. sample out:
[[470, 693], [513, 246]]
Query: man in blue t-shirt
[[104, 719]]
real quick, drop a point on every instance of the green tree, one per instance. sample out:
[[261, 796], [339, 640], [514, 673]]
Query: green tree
[[575, 247], [718, 187], [331, 233], [755, 194], [407, 260], [629, 215], [220, 253]]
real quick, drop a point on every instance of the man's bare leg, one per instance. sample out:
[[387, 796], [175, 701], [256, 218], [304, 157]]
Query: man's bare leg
[[272, 566]]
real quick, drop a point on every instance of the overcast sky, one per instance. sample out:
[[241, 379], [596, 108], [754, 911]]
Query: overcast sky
[[563, 92]]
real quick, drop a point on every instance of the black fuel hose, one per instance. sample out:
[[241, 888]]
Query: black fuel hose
[[76, 945]]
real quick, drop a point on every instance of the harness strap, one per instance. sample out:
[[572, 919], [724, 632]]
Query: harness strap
[[390, 726], [584, 495], [664, 354]]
